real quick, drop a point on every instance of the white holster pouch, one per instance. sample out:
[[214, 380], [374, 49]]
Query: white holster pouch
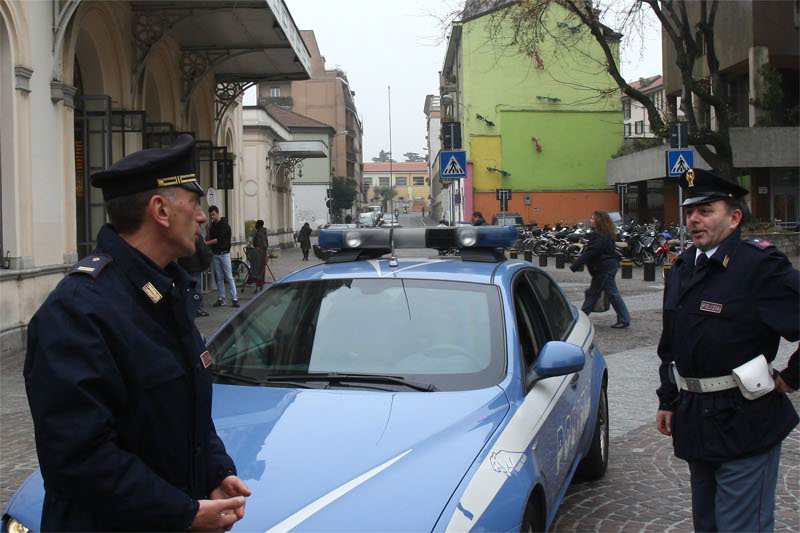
[[754, 378]]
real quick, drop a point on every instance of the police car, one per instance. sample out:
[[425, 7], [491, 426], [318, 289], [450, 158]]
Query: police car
[[380, 393]]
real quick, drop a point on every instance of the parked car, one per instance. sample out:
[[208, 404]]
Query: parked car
[[368, 219], [481, 426], [509, 219]]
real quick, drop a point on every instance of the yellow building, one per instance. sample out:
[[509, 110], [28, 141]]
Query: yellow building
[[410, 181]]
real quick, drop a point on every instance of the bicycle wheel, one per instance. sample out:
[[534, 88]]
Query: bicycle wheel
[[241, 272]]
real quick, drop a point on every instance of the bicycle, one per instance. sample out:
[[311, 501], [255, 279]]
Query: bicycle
[[241, 271]]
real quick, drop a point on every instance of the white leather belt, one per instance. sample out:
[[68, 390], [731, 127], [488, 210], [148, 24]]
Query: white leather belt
[[705, 384]]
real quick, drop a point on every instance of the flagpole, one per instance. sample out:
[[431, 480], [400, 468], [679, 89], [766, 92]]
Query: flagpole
[[391, 155]]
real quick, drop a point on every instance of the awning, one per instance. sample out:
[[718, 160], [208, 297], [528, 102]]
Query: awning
[[242, 40], [301, 149]]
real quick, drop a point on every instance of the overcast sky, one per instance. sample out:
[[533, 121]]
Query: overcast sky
[[382, 43]]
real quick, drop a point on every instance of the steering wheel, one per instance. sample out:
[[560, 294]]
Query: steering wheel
[[445, 350]]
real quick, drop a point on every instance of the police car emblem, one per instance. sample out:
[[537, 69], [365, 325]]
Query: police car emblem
[[711, 307]]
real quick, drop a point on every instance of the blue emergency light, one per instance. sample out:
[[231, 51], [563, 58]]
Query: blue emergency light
[[378, 241]]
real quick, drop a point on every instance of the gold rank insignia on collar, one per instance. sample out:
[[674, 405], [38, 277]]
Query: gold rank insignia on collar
[[152, 292], [725, 261], [85, 269]]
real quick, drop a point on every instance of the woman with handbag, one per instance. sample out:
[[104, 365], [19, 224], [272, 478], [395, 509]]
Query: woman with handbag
[[601, 260], [258, 257], [305, 240]]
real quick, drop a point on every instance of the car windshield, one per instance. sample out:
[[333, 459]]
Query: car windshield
[[441, 333], [508, 221]]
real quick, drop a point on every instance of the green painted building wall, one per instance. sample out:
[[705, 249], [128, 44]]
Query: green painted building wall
[[558, 104]]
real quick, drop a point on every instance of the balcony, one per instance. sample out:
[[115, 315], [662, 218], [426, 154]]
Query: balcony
[[282, 101]]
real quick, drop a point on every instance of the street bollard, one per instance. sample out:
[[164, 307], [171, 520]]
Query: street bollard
[[627, 269], [560, 261], [543, 260], [649, 271], [514, 254], [528, 255]]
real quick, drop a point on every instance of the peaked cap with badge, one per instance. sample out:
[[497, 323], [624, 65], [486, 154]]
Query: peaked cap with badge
[[150, 169], [703, 186]]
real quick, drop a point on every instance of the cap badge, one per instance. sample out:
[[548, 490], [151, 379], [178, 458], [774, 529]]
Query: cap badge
[[690, 177], [152, 292], [95, 259]]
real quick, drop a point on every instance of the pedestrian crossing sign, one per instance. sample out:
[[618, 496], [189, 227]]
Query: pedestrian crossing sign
[[453, 164], [678, 162]]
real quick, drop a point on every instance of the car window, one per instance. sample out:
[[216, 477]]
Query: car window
[[557, 310], [444, 333], [527, 321]]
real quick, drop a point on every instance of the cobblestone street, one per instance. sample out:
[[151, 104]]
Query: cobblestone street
[[645, 489]]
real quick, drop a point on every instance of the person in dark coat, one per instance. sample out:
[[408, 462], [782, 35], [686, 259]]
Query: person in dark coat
[[477, 219], [601, 261], [727, 302], [196, 264], [116, 371], [304, 238], [258, 255]]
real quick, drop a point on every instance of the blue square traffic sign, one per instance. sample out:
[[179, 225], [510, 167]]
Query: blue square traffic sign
[[453, 164], [678, 162]]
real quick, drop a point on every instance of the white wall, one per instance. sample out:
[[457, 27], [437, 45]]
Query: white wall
[[309, 205]]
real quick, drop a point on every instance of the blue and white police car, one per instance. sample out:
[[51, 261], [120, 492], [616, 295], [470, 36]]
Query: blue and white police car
[[375, 393]]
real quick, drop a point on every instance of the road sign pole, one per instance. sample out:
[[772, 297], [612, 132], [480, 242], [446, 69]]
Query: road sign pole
[[681, 232]]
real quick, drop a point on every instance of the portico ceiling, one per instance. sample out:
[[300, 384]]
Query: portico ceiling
[[239, 40]]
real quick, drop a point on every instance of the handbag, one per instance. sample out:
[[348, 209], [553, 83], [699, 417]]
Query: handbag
[[602, 304]]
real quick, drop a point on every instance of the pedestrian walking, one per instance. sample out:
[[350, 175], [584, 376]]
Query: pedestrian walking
[[195, 264], [601, 261], [477, 219], [305, 240], [259, 254], [727, 303], [115, 370], [219, 239]]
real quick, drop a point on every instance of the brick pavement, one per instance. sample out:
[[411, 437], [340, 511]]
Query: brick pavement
[[646, 487]]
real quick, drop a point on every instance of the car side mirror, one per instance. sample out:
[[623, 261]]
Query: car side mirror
[[557, 358]]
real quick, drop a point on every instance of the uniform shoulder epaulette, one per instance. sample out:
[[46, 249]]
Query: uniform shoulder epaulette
[[91, 265], [761, 244]]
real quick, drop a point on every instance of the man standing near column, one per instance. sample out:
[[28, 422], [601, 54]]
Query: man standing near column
[[219, 239], [727, 304]]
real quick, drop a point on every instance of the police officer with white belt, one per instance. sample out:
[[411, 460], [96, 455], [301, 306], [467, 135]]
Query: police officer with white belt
[[727, 304]]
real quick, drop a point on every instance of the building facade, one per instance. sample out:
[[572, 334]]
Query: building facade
[[328, 98], [522, 119], [410, 182], [82, 84], [445, 194], [636, 125], [758, 45]]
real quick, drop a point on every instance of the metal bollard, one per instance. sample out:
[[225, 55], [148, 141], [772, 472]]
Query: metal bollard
[[543, 260], [560, 261], [528, 255], [627, 269], [514, 254], [649, 271]]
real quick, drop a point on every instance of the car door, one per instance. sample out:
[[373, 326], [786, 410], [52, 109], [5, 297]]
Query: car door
[[554, 396], [558, 314]]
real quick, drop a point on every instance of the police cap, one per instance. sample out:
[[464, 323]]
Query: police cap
[[150, 169], [703, 186]]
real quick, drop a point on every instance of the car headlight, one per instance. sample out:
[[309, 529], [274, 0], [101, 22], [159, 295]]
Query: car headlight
[[15, 526]]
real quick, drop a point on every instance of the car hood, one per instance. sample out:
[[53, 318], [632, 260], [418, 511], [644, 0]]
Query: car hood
[[352, 459]]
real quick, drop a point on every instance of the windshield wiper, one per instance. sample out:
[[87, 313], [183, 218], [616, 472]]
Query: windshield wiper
[[261, 382], [334, 377]]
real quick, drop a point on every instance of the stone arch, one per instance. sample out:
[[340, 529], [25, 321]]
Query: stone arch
[[16, 27], [7, 138], [161, 100], [200, 117], [96, 40]]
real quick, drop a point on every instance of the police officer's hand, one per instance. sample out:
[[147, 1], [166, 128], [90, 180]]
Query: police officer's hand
[[217, 515], [228, 488], [782, 386], [664, 421]]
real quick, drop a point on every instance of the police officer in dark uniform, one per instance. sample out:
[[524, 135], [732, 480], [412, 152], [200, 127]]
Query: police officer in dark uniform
[[727, 303], [116, 370]]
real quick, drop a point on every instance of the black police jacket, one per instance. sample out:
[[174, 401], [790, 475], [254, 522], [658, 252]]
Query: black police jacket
[[120, 397], [735, 308], [598, 256]]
